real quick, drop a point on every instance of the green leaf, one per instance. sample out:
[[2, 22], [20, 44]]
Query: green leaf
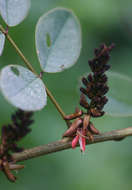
[[58, 40], [119, 95], [2, 42], [14, 11], [22, 88]]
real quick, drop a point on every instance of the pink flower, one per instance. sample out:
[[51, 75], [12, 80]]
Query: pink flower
[[80, 139]]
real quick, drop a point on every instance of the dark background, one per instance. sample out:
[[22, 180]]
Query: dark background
[[105, 165]]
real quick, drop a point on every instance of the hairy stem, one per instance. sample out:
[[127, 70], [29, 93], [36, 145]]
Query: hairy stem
[[29, 66], [66, 144]]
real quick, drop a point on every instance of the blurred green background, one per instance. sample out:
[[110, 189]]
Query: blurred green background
[[105, 165]]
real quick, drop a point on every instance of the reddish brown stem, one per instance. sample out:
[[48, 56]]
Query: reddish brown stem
[[66, 144]]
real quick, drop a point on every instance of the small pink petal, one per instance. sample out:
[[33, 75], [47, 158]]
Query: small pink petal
[[75, 141], [82, 142]]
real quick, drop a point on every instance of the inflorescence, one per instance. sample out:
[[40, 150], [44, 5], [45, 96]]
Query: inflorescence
[[92, 99], [10, 135]]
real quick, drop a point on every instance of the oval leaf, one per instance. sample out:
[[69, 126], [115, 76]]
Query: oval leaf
[[2, 42], [22, 88], [58, 40], [119, 95], [14, 11]]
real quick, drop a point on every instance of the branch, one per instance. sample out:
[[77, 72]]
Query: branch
[[66, 144]]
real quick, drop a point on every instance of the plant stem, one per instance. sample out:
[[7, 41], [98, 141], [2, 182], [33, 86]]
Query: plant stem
[[18, 50], [65, 143], [55, 103], [29, 66]]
